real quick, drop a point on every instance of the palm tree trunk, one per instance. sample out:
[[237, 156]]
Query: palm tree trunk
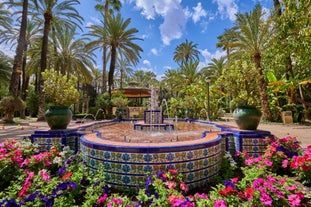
[[17, 65], [25, 81], [45, 40], [111, 73], [262, 89]]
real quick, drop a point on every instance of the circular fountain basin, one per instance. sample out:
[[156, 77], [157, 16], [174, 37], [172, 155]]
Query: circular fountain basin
[[130, 155]]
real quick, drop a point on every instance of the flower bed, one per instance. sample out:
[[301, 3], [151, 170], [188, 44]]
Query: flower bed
[[60, 178]]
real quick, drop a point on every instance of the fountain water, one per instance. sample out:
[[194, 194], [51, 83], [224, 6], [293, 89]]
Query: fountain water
[[206, 113], [153, 117], [91, 115]]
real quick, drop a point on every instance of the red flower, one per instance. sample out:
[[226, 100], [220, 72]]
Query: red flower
[[227, 190], [66, 176], [249, 193]]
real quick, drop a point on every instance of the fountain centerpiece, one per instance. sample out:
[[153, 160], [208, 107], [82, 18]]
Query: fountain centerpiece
[[153, 117]]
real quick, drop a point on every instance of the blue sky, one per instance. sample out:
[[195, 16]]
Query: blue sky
[[164, 24]]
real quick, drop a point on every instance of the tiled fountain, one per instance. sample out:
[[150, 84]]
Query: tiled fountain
[[129, 152]]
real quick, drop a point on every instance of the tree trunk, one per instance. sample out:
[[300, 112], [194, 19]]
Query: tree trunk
[[111, 73], [25, 82], [45, 40], [262, 89], [17, 65]]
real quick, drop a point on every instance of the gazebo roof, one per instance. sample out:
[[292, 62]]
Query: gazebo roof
[[135, 92]]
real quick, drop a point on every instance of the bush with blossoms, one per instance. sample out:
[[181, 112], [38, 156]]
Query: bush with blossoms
[[59, 177], [50, 178]]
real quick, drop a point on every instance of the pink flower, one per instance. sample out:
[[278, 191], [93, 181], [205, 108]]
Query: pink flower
[[282, 181], [45, 175], [170, 184], [294, 200], [266, 199], [102, 199], [268, 162], [184, 187], [284, 163], [202, 196], [249, 161], [117, 201], [290, 188], [174, 199], [24, 163], [220, 203], [235, 180]]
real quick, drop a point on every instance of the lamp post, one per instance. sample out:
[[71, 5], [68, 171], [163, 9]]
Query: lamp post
[[208, 80]]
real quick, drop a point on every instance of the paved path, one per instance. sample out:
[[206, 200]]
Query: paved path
[[300, 131], [26, 128]]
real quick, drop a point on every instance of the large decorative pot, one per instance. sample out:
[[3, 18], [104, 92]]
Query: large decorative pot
[[58, 117], [247, 117]]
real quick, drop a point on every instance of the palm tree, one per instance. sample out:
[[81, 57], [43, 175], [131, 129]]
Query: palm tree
[[120, 41], [116, 5], [123, 67], [190, 73], [252, 37], [214, 68], [72, 56], [97, 80], [185, 52], [226, 41], [173, 82], [5, 18], [66, 15], [144, 78], [17, 64], [5, 69], [10, 37]]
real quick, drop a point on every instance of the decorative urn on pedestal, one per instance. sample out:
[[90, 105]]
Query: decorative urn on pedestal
[[247, 117], [60, 90]]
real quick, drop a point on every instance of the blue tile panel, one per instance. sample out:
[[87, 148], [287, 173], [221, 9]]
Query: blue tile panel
[[46, 139], [128, 166]]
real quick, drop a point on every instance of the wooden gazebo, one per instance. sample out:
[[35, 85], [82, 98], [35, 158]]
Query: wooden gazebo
[[137, 96]]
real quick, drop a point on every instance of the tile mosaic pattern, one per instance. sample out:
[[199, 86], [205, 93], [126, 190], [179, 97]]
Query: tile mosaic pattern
[[46, 139], [131, 169], [153, 117]]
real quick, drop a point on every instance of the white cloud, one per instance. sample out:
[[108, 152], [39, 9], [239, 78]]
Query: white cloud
[[208, 56], [174, 17], [146, 62], [154, 51], [227, 8], [198, 13]]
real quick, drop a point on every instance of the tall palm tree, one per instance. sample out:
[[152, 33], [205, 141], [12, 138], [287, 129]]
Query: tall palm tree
[[72, 56], [104, 5], [252, 37], [18, 59], [185, 52], [52, 10], [120, 41]]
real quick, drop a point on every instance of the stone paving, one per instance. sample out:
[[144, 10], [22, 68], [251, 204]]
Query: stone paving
[[27, 127]]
